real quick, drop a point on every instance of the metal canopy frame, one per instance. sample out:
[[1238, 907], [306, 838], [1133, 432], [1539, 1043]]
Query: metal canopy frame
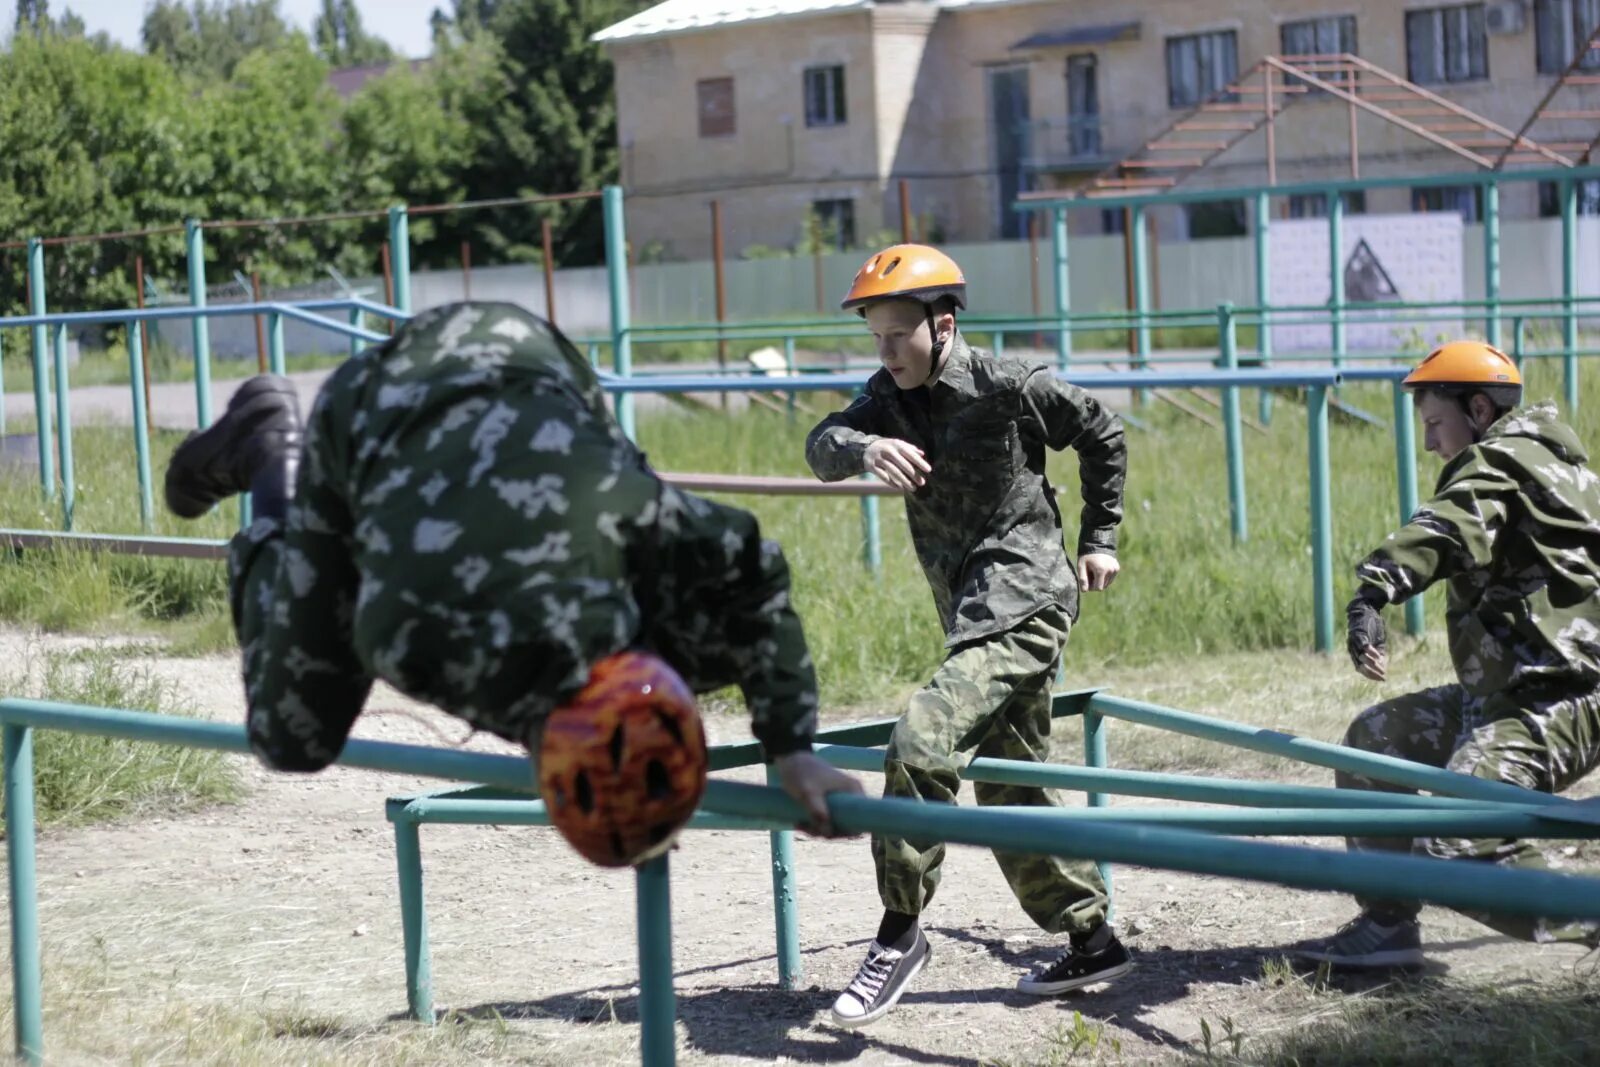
[[1573, 77]]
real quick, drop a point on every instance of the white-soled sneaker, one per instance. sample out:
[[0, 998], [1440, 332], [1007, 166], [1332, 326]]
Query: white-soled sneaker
[[877, 986], [1368, 943]]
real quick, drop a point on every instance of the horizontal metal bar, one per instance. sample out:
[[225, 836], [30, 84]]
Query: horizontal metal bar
[[359, 333], [170, 547], [125, 315], [1259, 378]]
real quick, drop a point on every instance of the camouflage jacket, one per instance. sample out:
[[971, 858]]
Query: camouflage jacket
[[986, 526], [471, 526], [1514, 528]]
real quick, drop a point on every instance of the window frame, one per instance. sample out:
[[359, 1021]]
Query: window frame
[[843, 213], [709, 124], [1205, 92], [831, 77], [1444, 34], [1573, 33]]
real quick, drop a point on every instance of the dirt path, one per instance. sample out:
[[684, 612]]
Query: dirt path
[[288, 902]]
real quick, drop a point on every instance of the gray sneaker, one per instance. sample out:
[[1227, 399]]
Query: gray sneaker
[[877, 986], [1369, 942]]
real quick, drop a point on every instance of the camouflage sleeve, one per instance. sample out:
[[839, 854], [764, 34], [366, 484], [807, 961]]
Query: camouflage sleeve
[[293, 588], [1064, 416], [834, 448], [1450, 534]]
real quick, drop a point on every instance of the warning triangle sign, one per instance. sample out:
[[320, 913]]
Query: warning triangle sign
[[1365, 280]]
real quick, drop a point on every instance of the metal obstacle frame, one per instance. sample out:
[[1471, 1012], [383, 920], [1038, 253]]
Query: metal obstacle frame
[[1461, 805]]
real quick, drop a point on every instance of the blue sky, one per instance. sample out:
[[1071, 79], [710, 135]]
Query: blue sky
[[403, 23]]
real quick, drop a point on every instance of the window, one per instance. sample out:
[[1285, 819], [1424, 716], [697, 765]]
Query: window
[[1561, 27], [1588, 198], [1321, 37], [1446, 44], [1199, 66], [1216, 218], [1112, 219], [1315, 206], [1465, 199], [716, 106], [1083, 106], [836, 223], [824, 96]]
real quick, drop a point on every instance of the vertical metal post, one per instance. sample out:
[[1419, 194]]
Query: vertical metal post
[[414, 921], [200, 327], [356, 319], [2, 390], [1569, 289], [1139, 226], [719, 289], [905, 211], [788, 363], [1336, 273], [69, 492], [1232, 424], [1095, 728], [784, 902], [1263, 298], [1058, 248], [1321, 518], [41, 377], [547, 241], [1272, 126], [261, 339], [25, 970], [872, 546], [144, 330], [400, 255], [1491, 263], [141, 427], [658, 1007], [466, 270], [1405, 458], [997, 343], [276, 359], [617, 274], [1518, 339]]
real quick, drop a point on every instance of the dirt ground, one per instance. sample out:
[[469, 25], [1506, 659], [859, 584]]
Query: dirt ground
[[288, 902]]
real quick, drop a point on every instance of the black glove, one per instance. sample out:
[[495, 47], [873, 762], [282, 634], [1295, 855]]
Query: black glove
[[1364, 624]]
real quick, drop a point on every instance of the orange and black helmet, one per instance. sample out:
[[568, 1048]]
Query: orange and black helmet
[[623, 764], [1462, 368], [907, 272]]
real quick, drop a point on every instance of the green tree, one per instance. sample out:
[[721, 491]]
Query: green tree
[[343, 41], [210, 40]]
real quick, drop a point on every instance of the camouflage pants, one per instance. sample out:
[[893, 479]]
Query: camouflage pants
[[989, 698], [1546, 745]]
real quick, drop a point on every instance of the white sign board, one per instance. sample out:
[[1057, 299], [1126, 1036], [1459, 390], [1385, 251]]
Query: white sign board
[[1384, 258]]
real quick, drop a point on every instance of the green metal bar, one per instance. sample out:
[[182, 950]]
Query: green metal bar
[[1059, 257], [617, 275], [1138, 240], [414, 921], [1474, 886], [1336, 274], [1095, 729], [1405, 462], [69, 489], [1328, 821], [785, 902], [1491, 262], [871, 539], [400, 255], [41, 377], [997, 343], [1319, 753], [277, 361], [658, 1009], [200, 326], [1517, 340], [1569, 289], [530, 811], [141, 428], [357, 319], [1263, 250], [1321, 519], [1233, 426], [789, 367], [27, 1000], [2, 387]]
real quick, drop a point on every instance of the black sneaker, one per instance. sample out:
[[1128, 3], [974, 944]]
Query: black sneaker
[[1097, 957], [877, 986], [262, 423], [1369, 942]]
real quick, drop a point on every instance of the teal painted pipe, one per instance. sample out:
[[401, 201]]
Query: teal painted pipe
[[69, 482], [1336, 274], [789, 366], [195, 243], [871, 540], [1472, 886], [785, 901], [141, 428], [1569, 289], [26, 989], [1095, 757], [1263, 247], [1491, 263], [530, 811], [414, 922], [1405, 461], [1138, 240], [277, 361], [400, 255], [41, 375], [658, 1009], [1232, 426], [2, 386], [1321, 519], [1320, 753], [621, 313], [1329, 822], [1060, 252], [997, 344], [1517, 340]]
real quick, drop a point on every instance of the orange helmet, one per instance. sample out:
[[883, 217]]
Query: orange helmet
[[909, 272], [623, 764], [1461, 368]]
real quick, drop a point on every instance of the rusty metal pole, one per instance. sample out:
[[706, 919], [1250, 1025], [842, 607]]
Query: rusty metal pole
[[1355, 151], [548, 243], [261, 335], [1272, 138], [466, 270], [144, 330], [721, 287], [815, 233], [905, 211], [388, 285]]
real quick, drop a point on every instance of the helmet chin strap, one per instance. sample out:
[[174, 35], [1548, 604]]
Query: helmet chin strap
[[938, 343]]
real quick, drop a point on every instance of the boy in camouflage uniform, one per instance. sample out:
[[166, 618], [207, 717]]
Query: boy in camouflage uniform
[[1514, 528], [470, 525], [964, 435]]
